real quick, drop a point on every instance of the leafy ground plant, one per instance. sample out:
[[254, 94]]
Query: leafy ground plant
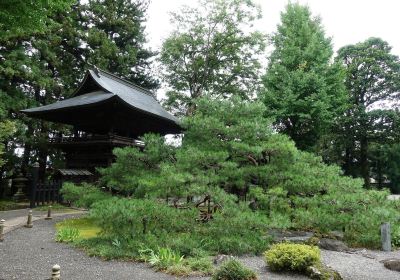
[[67, 234], [234, 270], [162, 258]]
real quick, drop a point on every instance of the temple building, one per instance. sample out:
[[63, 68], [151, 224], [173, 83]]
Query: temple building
[[105, 112]]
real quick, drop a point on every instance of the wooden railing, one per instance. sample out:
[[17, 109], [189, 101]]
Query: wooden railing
[[111, 138]]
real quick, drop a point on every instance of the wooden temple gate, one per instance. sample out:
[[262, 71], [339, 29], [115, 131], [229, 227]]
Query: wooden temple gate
[[43, 192]]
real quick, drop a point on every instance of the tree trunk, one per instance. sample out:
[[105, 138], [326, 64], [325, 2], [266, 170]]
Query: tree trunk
[[347, 163], [364, 165], [27, 151]]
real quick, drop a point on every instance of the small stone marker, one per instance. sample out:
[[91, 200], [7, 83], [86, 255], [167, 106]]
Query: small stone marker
[[29, 223], [55, 272], [385, 237], [48, 214], [2, 230]]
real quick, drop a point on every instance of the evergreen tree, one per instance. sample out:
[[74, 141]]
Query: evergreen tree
[[213, 50], [116, 37], [41, 68], [372, 78], [22, 17], [303, 90], [227, 147]]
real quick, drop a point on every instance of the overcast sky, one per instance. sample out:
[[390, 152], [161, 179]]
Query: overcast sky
[[347, 21]]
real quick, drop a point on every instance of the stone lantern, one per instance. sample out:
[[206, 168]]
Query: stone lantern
[[20, 183]]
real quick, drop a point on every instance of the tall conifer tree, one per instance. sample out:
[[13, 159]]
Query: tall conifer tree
[[303, 90]]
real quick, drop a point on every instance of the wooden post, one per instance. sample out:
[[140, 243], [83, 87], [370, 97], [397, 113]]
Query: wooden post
[[144, 220], [55, 272], [385, 237], [2, 230], [48, 213], [29, 223], [35, 179]]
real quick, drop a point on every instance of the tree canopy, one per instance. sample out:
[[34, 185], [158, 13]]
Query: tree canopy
[[213, 50], [303, 89], [372, 79], [20, 16]]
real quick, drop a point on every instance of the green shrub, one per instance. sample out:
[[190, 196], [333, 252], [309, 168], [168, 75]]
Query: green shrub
[[292, 257], [233, 230], [233, 270], [349, 208], [84, 195], [131, 218], [67, 234], [396, 236]]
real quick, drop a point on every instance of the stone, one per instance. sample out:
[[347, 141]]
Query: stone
[[323, 272], [333, 245], [299, 237], [2, 230], [48, 213], [55, 272], [339, 235], [385, 237], [392, 264], [219, 259], [29, 223]]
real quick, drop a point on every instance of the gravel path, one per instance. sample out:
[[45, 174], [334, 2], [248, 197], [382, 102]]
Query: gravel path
[[29, 254], [363, 264]]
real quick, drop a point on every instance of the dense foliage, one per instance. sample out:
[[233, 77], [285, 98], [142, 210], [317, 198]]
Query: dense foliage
[[372, 79], [214, 49], [19, 16], [304, 91], [39, 68]]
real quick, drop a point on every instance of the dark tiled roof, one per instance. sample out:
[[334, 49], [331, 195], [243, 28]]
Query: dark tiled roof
[[134, 96]]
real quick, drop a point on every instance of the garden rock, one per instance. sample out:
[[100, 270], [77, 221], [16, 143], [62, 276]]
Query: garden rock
[[339, 235], [392, 264], [333, 245], [219, 259], [299, 237], [323, 272]]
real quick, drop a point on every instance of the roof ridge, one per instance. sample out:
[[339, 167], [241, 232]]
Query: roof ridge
[[128, 83]]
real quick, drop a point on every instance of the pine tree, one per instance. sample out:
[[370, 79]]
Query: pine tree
[[116, 37]]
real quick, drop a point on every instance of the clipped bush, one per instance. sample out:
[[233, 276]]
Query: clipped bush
[[292, 257], [234, 270], [84, 195]]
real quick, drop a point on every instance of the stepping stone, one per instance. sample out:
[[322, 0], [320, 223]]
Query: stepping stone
[[392, 264]]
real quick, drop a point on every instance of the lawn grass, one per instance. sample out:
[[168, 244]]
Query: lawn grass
[[86, 227]]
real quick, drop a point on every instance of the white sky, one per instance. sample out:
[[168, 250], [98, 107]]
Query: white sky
[[347, 21]]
